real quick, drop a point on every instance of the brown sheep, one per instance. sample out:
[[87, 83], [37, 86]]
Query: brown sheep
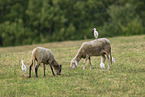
[[45, 56]]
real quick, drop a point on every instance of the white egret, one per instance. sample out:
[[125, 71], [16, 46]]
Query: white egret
[[113, 60], [95, 33], [23, 66], [102, 65]]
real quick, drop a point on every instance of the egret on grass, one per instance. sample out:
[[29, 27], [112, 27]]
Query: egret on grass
[[102, 65], [23, 66], [113, 60]]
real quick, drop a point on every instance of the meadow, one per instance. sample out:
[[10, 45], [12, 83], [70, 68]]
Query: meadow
[[126, 77]]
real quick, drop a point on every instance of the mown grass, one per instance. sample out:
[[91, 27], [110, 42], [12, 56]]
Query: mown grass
[[125, 78]]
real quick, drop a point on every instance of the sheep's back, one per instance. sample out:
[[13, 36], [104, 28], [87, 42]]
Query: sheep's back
[[96, 46], [42, 55]]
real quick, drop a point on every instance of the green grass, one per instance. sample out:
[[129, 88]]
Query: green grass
[[125, 78]]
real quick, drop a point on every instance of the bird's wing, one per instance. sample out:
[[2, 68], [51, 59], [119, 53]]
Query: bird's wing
[[96, 34], [25, 68]]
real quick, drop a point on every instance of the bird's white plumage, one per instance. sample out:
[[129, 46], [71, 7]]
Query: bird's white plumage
[[95, 33], [102, 65], [23, 66], [113, 60]]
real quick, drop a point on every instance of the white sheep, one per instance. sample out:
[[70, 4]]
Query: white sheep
[[45, 56], [97, 47]]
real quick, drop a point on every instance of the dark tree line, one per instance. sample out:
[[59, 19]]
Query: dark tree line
[[38, 21]]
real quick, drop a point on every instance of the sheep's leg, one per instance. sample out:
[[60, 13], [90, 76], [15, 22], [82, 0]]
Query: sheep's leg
[[33, 65], [44, 68], [104, 58], [108, 56], [36, 69], [30, 66], [90, 63], [52, 70], [84, 63]]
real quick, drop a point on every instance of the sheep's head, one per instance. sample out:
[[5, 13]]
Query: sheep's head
[[73, 64], [59, 70]]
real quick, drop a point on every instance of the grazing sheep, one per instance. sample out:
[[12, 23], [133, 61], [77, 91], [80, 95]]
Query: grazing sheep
[[97, 47], [45, 56]]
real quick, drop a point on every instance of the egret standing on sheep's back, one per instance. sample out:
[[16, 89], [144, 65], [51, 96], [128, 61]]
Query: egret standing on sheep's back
[[95, 33]]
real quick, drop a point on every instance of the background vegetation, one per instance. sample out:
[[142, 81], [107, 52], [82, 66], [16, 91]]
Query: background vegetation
[[124, 79], [39, 21]]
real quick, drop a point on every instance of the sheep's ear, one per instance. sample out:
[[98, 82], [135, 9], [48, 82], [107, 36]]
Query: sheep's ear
[[76, 63]]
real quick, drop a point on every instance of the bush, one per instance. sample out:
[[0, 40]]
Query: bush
[[15, 34], [133, 28], [122, 21]]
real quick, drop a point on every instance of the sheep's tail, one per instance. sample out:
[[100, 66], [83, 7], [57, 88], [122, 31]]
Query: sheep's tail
[[32, 64]]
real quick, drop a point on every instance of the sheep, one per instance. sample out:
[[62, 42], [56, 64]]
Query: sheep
[[97, 47], [45, 56]]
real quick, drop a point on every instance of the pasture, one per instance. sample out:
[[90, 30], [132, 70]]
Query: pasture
[[126, 77]]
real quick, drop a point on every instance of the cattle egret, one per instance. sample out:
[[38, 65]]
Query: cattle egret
[[102, 65], [113, 60], [23, 66], [95, 33]]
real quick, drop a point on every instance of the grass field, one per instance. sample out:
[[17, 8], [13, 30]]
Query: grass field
[[125, 78]]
